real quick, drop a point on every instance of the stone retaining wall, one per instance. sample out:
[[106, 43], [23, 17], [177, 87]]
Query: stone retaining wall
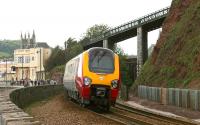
[[25, 96], [185, 98], [11, 114]]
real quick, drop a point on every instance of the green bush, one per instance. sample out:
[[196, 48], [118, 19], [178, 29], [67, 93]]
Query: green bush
[[168, 71]]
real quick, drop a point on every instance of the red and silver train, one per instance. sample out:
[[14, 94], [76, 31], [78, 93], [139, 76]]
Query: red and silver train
[[93, 77]]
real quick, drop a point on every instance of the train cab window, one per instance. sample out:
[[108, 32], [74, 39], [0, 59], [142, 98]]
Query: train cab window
[[101, 61]]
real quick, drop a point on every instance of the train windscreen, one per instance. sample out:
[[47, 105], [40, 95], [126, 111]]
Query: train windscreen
[[101, 61]]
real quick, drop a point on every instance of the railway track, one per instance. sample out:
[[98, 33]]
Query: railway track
[[132, 116], [125, 119], [150, 118], [127, 115]]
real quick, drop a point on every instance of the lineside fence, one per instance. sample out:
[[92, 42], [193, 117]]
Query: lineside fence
[[186, 98]]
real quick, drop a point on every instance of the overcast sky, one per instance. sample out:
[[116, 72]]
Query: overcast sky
[[56, 20]]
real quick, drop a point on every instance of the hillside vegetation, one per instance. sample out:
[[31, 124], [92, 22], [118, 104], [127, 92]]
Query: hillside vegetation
[[7, 47], [175, 61]]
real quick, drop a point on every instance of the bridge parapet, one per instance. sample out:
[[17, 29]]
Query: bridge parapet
[[132, 24], [139, 27], [138, 22]]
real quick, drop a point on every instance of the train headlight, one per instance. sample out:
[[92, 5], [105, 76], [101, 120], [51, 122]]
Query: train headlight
[[87, 81], [114, 84]]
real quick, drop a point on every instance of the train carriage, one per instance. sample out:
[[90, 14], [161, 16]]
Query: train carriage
[[93, 77]]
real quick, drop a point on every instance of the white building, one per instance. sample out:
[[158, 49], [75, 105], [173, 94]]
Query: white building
[[30, 63]]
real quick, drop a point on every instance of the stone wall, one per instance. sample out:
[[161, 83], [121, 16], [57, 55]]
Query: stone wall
[[10, 114], [25, 96]]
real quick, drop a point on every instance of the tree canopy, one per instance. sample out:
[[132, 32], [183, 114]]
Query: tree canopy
[[94, 32], [55, 59], [125, 77], [70, 42], [60, 56], [73, 49]]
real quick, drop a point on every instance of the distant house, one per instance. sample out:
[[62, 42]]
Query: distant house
[[30, 63], [7, 72], [31, 58]]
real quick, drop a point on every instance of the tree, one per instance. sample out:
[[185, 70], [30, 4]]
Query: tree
[[72, 48], [96, 30], [126, 78], [55, 59], [70, 42], [84, 41], [73, 51]]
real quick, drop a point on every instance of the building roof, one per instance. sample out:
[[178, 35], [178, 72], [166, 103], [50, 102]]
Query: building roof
[[42, 45]]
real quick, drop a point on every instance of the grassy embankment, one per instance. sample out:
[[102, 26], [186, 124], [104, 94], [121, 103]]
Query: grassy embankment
[[175, 61], [7, 47]]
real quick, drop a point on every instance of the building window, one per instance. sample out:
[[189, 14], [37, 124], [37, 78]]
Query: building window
[[27, 59], [33, 58], [20, 59]]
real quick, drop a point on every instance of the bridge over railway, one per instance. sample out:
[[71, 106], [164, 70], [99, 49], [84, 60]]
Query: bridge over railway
[[139, 27]]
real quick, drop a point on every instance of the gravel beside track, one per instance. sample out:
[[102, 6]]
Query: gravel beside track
[[59, 111]]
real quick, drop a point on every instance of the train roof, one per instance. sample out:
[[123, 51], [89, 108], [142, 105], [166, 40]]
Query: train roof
[[99, 48], [88, 51]]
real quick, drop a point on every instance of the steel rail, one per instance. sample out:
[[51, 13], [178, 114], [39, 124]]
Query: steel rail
[[113, 116], [131, 120], [101, 114], [156, 116], [124, 114]]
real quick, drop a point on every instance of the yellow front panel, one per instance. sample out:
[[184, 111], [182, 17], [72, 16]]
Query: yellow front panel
[[100, 79]]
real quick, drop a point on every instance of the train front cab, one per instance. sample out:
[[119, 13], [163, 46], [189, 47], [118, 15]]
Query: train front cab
[[100, 77]]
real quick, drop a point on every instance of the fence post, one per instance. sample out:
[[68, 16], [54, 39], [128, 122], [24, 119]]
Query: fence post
[[164, 96], [194, 99], [171, 96], [185, 98], [178, 97]]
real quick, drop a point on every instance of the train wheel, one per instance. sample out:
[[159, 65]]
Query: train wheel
[[83, 105], [107, 107], [66, 95], [82, 102], [70, 95]]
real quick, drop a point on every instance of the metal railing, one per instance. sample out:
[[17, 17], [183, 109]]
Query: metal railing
[[132, 24]]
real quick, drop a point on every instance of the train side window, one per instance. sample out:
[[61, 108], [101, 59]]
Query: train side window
[[65, 75], [77, 64], [79, 67]]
